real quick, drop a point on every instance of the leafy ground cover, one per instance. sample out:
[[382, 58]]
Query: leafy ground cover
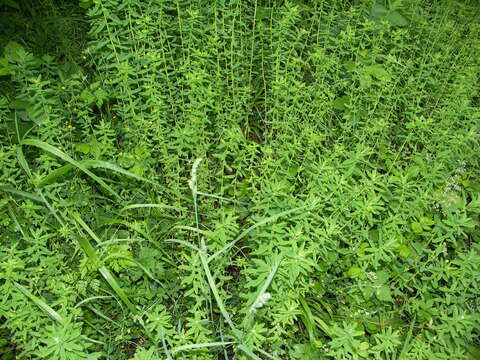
[[239, 179]]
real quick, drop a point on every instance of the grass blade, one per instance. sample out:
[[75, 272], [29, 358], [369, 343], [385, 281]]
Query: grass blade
[[254, 226], [218, 197], [308, 316], [40, 303], [15, 220], [115, 168], [140, 206], [88, 250], [111, 280], [103, 316], [216, 295], [92, 340], [60, 154], [89, 231], [137, 229], [194, 229], [107, 275], [24, 194], [50, 208], [184, 243], [53, 175], [23, 162], [116, 241], [165, 348], [406, 344], [249, 352], [199, 346], [92, 298], [261, 293]]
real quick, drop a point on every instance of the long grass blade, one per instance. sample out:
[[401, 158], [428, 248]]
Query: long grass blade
[[111, 280], [40, 303], [92, 298], [15, 220], [31, 196], [406, 344], [103, 316], [190, 228], [137, 229], [64, 170], [184, 243], [115, 168], [107, 275], [65, 157], [55, 174], [141, 206], [256, 225], [308, 316], [249, 352], [50, 208], [216, 295], [199, 346], [92, 340], [87, 228], [23, 162], [165, 348], [261, 293]]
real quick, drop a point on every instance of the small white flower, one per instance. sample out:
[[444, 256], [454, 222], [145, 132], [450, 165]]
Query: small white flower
[[261, 301], [193, 179]]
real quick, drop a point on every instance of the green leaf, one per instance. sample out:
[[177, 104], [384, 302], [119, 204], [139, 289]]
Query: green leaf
[[11, 3], [305, 352], [378, 72], [381, 13], [395, 18], [404, 251], [413, 171], [354, 272], [19, 104], [473, 352], [417, 227], [471, 186], [85, 4], [426, 222], [378, 11], [341, 103], [383, 293], [83, 148], [14, 52], [5, 68], [143, 354]]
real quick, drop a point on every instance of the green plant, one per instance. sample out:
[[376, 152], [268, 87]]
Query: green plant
[[335, 213]]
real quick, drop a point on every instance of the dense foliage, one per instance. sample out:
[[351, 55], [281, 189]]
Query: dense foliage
[[239, 179]]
